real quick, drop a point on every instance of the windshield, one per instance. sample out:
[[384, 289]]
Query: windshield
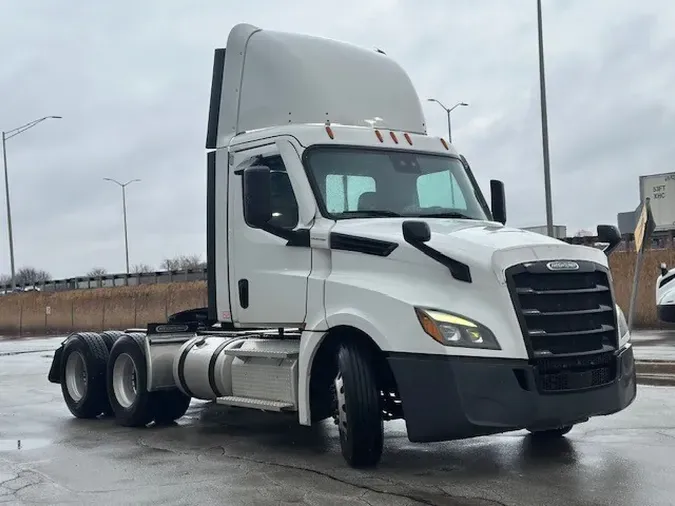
[[362, 182]]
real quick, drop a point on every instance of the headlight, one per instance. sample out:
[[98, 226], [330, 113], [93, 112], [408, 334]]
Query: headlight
[[624, 335], [453, 330]]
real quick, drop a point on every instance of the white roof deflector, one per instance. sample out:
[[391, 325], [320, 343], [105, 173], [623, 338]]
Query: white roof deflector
[[272, 78]]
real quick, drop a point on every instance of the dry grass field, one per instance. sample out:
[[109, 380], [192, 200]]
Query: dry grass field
[[96, 309], [99, 309]]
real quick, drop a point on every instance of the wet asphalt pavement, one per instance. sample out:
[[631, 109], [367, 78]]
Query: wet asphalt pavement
[[216, 455]]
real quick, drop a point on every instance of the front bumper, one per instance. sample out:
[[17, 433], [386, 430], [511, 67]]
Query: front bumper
[[448, 398]]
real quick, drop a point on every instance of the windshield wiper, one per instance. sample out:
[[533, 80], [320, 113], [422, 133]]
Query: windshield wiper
[[446, 215], [370, 213]]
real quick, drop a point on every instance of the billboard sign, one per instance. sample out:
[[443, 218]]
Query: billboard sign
[[660, 190]]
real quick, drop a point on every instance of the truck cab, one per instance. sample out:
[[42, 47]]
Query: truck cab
[[356, 272]]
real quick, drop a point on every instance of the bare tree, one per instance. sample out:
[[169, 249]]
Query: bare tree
[[182, 262], [97, 272], [31, 276], [169, 264], [141, 268]]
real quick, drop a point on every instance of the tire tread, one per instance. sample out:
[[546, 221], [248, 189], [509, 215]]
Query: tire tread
[[142, 413], [96, 399], [364, 414], [110, 337]]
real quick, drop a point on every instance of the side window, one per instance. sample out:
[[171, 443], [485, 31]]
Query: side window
[[343, 192], [440, 189], [284, 205]]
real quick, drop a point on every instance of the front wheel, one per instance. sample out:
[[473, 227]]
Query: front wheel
[[551, 433], [358, 407]]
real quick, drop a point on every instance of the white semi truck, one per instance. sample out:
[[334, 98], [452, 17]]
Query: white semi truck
[[356, 272], [665, 294]]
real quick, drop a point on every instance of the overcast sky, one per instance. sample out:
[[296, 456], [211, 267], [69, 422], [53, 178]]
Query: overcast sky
[[131, 80]]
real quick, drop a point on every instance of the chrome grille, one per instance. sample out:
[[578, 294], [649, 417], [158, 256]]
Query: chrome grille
[[564, 313]]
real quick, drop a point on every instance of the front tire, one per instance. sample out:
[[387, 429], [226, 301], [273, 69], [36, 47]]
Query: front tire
[[358, 406], [551, 434], [83, 373], [127, 382]]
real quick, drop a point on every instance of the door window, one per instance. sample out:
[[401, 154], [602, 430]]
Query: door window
[[285, 213]]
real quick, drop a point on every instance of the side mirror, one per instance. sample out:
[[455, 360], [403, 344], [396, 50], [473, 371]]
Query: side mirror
[[664, 269], [415, 232], [609, 234], [257, 196], [498, 199]]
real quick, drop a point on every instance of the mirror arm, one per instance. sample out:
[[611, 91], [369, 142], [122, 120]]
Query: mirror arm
[[297, 238], [459, 270]]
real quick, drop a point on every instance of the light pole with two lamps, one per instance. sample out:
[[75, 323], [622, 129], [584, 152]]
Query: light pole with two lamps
[[124, 209], [544, 125], [448, 111], [6, 135]]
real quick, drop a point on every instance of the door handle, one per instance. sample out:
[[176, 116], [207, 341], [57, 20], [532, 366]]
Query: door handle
[[243, 292]]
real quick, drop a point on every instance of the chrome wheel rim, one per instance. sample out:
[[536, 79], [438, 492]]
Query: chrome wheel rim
[[124, 380], [76, 376], [341, 407]]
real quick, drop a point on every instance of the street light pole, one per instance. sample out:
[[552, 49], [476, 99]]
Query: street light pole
[[448, 111], [126, 234], [9, 212], [6, 135], [544, 126], [124, 211]]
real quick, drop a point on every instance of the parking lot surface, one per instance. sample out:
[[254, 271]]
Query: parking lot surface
[[215, 455]]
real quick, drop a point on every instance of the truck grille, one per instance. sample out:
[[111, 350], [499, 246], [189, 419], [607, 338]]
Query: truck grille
[[568, 312]]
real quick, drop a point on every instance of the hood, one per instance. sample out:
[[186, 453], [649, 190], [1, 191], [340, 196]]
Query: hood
[[477, 242]]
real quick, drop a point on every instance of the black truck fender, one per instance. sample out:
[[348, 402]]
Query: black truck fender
[[54, 375]]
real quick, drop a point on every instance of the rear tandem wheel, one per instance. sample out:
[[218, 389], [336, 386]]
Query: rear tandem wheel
[[127, 385], [83, 374], [110, 337]]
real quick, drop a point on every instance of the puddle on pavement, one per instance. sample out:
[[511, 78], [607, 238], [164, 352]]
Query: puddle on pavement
[[9, 445]]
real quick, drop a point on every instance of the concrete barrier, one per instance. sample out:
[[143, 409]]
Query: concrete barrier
[[35, 313]]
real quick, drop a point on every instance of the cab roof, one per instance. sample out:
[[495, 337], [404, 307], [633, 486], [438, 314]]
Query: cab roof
[[267, 78]]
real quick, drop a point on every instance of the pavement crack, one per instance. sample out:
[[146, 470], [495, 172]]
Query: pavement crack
[[363, 499], [418, 498], [148, 446], [21, 481]]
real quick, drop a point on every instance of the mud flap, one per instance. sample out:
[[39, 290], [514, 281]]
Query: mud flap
[[54, 375]]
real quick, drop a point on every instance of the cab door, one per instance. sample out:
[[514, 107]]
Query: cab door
[[268, 273]]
